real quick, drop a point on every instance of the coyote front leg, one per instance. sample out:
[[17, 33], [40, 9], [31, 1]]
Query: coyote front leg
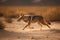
[[27, 25]]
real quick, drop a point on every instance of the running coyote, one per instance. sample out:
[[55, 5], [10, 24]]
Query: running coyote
[[34, 18]]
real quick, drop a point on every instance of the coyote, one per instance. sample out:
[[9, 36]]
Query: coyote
[[33, 19]]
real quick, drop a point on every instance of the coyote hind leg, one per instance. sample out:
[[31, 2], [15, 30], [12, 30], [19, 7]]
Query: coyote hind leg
[[47, 24], [40, 25]]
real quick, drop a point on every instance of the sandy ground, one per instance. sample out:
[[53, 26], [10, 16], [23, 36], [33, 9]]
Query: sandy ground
[[14, 31]]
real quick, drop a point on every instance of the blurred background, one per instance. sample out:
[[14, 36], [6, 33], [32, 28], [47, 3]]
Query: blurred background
[[49, 12], [50, 9]]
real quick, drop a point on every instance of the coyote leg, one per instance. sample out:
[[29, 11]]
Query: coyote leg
[[27, 25], [48, 26], [47, 23], [40, 25]]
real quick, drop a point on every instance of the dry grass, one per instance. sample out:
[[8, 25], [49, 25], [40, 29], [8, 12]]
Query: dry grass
[[50, 13]]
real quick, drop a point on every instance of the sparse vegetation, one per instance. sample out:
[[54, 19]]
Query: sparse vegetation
[[46, 11]]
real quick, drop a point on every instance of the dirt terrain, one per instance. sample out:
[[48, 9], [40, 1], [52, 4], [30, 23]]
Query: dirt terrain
[[13, 31]]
